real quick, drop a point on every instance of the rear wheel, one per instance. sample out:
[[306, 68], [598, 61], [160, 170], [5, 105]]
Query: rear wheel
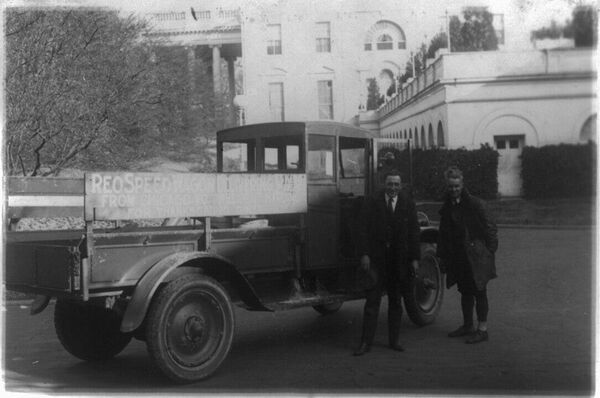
[[423, 300], [89, 332], [327, 309], [190, 328]]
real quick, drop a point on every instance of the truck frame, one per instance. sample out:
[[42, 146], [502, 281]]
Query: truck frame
[[165, 257]]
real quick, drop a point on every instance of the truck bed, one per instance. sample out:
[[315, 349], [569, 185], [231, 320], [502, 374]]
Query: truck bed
[[50, 261]]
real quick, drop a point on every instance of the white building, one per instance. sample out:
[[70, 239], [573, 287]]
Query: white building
[[310, 59], [307, 60], [504, 99]]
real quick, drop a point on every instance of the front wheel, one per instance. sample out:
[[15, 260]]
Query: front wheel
[[89, 332], [190, 328], [423, 299]]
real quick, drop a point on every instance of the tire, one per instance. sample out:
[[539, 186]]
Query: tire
[[190, 328], [328, 309], [423, 299], [89, 332]]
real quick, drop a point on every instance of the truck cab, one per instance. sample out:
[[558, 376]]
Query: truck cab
[[334, 157]]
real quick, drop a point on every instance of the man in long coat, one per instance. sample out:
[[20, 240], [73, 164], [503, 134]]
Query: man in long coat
[[390, 250], [466, 246]]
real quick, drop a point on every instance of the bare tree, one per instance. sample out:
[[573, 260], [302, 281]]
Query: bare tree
[[86, 88]]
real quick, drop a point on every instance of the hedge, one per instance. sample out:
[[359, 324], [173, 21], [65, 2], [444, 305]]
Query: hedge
[[564, 170], [480, 170]]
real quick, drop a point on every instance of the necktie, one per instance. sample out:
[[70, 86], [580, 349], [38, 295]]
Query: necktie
[[391, 205]]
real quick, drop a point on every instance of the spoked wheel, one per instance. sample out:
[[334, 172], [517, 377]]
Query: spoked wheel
[[327, 309], [89, 332], [423, 299], [190, 328]]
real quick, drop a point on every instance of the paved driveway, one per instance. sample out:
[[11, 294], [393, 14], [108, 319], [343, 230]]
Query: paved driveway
[[541, 336]]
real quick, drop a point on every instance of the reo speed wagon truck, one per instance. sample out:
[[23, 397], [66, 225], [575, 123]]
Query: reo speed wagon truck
[[165, 257]]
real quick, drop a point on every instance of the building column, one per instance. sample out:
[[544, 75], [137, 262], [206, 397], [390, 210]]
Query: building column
[[231, 84], [191, 63], [216, 66], [231, 76]]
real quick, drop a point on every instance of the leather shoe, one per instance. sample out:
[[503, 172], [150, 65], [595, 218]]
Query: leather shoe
[[462, 331], [396, 347], [362, 349], [478, 337]]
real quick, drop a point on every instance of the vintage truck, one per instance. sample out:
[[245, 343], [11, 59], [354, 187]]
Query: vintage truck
[[164, 257]]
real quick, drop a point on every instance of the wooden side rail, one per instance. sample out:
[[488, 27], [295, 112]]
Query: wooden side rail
[[44, 197]]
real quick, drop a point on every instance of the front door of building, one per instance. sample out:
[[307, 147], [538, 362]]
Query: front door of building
[[509, 164]]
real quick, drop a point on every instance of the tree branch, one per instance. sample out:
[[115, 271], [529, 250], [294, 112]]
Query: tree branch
[[38, 163]]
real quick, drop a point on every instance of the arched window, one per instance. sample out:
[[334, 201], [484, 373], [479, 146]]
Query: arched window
[[430, 136], [440, 135], [384, 35], [410, 134], [423, 142], [416, 137], [385, 42], [588, 131]]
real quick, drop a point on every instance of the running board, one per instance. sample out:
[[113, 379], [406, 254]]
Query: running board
[[309, 300]]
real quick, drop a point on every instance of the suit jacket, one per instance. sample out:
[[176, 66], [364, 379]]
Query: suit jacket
[[373, 234], [476, 237]]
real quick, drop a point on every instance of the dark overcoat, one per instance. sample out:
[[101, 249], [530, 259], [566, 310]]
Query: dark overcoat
[[373, 235], [479, 239]]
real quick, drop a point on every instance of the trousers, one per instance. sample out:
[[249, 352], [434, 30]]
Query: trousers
[[387, 281]]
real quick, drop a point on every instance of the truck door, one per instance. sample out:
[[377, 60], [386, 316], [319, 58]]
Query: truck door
[[353, 162], [322, 225]]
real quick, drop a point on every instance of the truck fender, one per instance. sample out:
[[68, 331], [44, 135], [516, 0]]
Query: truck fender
[[160, 272], [39, 304]]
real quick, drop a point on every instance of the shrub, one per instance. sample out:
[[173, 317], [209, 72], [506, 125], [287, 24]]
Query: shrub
[[480, 169], [563, 170]]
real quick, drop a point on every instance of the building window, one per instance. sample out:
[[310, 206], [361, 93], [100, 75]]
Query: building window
[[423, 142], [368, 47], [273, 39], [323, 33], [440, 134], [498, 23], [325, 99], [385, 42], [276, 106]]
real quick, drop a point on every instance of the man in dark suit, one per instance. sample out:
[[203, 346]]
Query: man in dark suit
[[390, 252]]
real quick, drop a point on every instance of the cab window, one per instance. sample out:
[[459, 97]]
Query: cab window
[[320, 164], [238, 156], [352, 157], [282, 154]]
